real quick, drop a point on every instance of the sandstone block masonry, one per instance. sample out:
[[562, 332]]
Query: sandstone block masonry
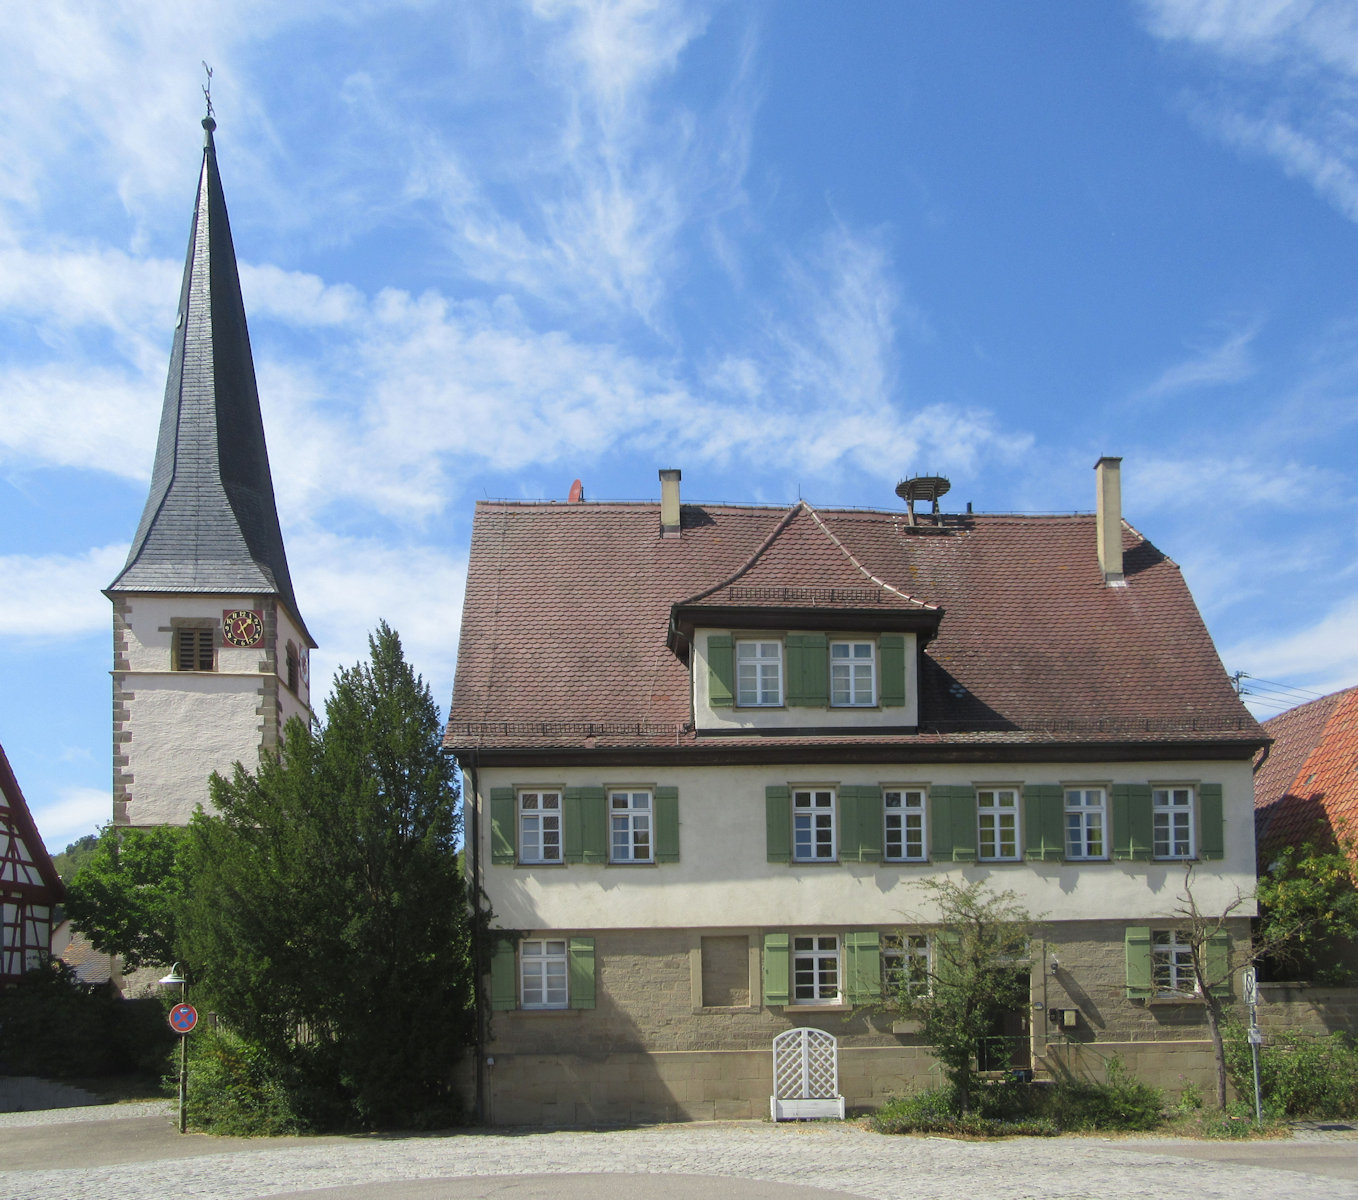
[[654, 1047]]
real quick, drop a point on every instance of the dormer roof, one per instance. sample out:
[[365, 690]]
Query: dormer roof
[[802, 573], [210, 523]]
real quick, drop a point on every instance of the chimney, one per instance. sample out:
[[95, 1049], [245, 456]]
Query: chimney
[[669, 502], [1108, 486]]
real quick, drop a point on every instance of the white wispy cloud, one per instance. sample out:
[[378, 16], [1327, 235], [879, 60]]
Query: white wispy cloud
[[1228, 361], [1321, 657], [57, 595], [346, 585], [1288, 72], [71, 814]]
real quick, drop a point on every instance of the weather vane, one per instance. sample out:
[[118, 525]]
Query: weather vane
[[207, 87]]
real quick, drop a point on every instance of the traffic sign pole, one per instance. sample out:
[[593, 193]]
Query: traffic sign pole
[[1256, 1037]]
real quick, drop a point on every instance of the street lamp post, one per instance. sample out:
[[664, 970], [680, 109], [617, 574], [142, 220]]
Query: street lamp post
[[182, 1020]]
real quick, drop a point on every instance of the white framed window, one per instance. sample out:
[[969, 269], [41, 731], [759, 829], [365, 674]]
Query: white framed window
[[1172, 813], [1086, 823], [540, 827], [815, 969], [997, 811], [629, 823], [542, 973], [759, 674], [1172, 964], [853, 674], [905, 965], [903, 814], [813, 824]]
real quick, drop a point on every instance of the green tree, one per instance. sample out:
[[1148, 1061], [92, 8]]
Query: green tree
[[328, 920], [76, 854], [977, 972], [128, 895], [1308, 910]]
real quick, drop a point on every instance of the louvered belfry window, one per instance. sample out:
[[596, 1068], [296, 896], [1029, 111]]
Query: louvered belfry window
[[193, 649]]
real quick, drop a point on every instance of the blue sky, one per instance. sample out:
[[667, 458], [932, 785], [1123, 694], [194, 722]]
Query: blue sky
[[792, 248]]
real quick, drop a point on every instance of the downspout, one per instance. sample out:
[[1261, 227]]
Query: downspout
[[479, 964]]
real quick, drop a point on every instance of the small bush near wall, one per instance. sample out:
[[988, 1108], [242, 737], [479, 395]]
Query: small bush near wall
[[55, 1026], [236, 1090], [1007, 1108], [1300, 1074]]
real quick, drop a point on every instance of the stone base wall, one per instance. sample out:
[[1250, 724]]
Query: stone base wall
[[701, 1085], [1301, 1007], [651, 1050]]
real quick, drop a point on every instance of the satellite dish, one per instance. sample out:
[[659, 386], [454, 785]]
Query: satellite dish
[[577, 495]]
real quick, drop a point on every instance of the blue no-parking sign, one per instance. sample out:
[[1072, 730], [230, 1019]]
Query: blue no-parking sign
[[183, 1017]]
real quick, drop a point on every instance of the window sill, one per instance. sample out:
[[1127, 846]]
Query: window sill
[[1174, 1001], [548, 1012], [818, 1008]]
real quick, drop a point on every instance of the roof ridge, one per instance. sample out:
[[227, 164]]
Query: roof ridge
[[844, 550], [748, 565]]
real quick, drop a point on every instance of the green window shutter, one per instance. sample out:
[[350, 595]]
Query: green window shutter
[[778, 821], [891, 689], [1132, 821], [1044, 822], [1218, 964], [808, 677], [1138, 948], [952, 823], [721, 670], [776, 952], [666, 824], [584, 820], [504, 975], [580, 972], [863, 966], [594, 824], [572, 826], [861, 839], [503, 823], [1211, 822]]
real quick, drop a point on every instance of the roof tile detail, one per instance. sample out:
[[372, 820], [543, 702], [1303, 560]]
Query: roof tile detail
[[1306, 788], [567, 612]]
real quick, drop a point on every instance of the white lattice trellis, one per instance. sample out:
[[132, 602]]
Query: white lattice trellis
[[805, 1076]]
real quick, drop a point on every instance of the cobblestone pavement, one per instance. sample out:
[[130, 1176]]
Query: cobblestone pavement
[[841, 1159]]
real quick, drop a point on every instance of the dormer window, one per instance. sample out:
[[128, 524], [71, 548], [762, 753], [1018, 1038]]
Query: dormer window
[[759, 674], [853, 674]]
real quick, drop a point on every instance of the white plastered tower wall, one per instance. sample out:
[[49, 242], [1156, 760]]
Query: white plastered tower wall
[[174, 728]]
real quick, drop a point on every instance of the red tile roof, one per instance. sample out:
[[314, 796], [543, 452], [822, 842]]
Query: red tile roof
[[1307, 785], [568, 608]]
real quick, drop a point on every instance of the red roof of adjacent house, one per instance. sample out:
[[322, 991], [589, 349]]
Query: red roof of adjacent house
[[566, 628], [1307, 785]]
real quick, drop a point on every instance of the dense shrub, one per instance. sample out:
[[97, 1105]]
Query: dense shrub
[[937, 1111], [1300, 1074], [55, 1026], [1009, 1107], [237, 1090], [1121, 1102]]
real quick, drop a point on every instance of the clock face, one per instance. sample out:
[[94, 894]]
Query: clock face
[[242, 627]]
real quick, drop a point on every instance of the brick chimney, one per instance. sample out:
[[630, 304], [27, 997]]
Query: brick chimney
[[669, 502], [1108, 488]]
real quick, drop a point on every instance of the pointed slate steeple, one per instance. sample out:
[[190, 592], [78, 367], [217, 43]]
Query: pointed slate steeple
[[210, 524]]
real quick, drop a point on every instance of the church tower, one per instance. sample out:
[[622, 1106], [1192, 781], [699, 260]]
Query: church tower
[[210, 654]]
